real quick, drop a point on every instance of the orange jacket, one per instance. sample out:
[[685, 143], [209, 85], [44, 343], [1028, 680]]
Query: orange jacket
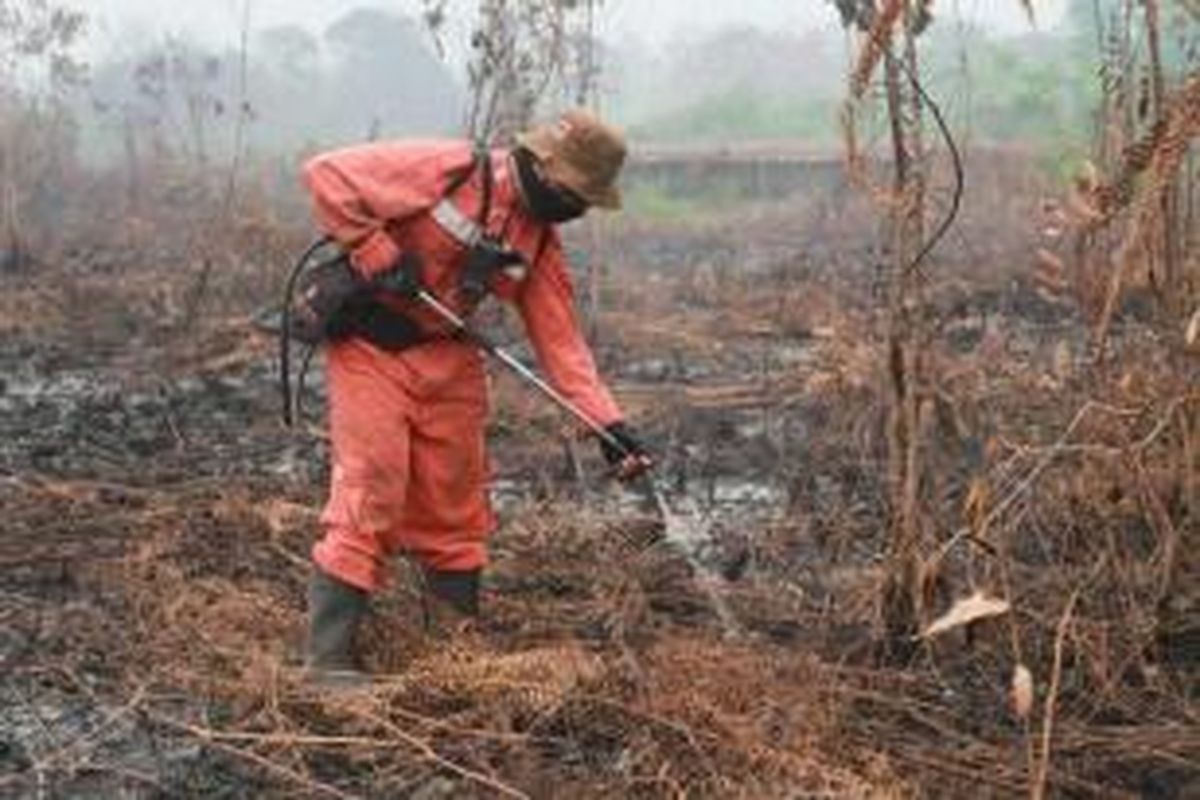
[[374, 200]]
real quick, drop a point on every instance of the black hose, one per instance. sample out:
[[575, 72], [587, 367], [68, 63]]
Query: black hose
[[298, 395], [955, 157], [285, 331]]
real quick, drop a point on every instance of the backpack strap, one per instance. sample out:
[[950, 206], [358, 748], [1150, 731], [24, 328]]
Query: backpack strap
[[483, 158], [543, 243], [459, 177]]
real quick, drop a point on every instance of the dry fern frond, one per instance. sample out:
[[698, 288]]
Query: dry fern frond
[[1160, 150], [1161, 155], [877, 39], [529, 682]]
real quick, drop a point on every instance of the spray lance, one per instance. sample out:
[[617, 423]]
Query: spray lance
[[679, 532], [404, 280]]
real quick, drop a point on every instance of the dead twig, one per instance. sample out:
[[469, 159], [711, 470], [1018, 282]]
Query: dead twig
[[428, 754], [1037, 790], [223, 741], [1056, 450]]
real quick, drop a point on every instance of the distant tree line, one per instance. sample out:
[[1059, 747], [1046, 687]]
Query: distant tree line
[[374, 73], [370, 74]]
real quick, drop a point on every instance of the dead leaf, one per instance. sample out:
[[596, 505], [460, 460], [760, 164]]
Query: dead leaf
[[283, 516], [1088, 177], [976, 607], [1021, 694], [1063, 359], [1192, 336], [975, 507]]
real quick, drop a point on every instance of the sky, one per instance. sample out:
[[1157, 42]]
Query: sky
[[116, 22]]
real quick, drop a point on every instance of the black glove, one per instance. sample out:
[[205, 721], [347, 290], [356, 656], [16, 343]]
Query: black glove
[[486, 258], [403, 277], [626, 451]]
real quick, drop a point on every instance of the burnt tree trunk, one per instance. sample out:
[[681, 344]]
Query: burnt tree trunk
[[903, 592]]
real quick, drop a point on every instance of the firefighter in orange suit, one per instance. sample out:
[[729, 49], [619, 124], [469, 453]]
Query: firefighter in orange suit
[[407, 423]]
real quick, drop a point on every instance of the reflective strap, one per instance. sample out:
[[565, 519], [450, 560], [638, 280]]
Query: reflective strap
[[456, 223], [468, 233]]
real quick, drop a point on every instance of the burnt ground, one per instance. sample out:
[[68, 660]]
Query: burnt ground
[[157, 517]]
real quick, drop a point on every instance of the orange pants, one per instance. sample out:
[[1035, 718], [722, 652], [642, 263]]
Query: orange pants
[[409, 462]]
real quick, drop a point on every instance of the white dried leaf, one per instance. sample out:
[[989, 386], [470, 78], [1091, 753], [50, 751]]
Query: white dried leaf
[[969, 609], [1021, 694], [1192, 336], [1063, 359]]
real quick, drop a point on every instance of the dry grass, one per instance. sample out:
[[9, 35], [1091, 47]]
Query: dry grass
[[661, 706]]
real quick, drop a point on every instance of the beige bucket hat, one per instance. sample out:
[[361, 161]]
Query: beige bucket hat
[[582, 153]]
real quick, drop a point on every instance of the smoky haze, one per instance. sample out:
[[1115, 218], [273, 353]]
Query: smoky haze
[[322, 72], [658, 21]]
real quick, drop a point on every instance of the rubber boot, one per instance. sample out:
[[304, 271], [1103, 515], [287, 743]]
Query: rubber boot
[[460, 590], [452, 604], [335, 610]]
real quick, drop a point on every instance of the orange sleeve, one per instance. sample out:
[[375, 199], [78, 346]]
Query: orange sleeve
[[357, 192], [547, 306]]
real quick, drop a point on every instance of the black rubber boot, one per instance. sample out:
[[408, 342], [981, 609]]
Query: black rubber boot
[[452, 605], [335, 610], [459, 590]]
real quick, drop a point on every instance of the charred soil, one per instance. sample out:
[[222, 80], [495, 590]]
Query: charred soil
[[157, 519]]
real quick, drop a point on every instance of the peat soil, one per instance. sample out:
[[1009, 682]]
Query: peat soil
[[128, 474]]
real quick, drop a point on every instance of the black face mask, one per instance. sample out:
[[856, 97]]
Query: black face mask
[[544, 202]]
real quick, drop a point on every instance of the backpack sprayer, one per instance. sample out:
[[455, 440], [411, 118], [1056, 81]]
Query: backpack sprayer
[[320, 318]]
